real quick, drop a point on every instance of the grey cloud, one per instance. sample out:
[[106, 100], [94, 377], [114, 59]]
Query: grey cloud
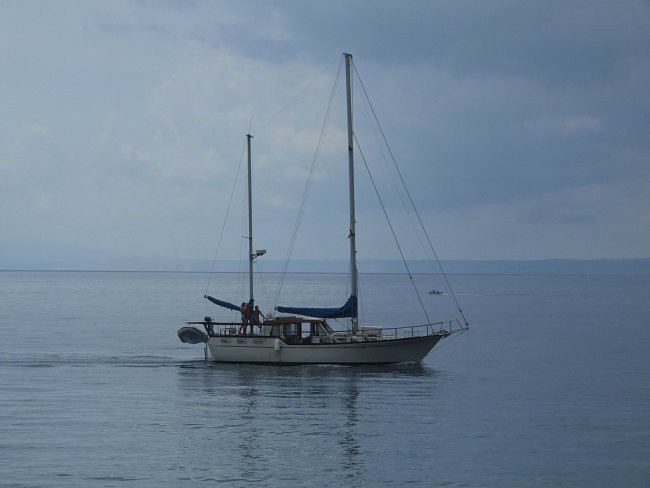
[[493, 109]]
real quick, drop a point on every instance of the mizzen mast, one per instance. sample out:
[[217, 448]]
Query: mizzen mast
[[251, 256]]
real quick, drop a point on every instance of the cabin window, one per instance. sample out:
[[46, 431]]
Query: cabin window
[[292, 333], [292, 329], [307, 331], [326, 328]]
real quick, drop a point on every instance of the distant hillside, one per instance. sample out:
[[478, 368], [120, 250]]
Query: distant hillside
[[552, 266], [547, 266], [78, 258]]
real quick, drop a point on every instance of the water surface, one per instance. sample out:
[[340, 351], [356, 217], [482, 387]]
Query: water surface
[[549, 388]]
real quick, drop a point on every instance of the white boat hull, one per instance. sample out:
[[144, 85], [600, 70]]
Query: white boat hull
[[252, 349]]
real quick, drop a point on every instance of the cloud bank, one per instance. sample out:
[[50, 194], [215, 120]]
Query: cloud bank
[[521, 127]]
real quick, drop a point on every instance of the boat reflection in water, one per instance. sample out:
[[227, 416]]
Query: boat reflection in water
[[265, 423]]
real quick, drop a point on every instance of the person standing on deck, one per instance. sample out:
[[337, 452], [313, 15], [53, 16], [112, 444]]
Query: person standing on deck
[[257, 318], [244, 317]]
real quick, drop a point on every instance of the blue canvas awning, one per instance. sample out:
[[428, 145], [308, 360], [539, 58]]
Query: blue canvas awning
[[223, 304], [347, 310]]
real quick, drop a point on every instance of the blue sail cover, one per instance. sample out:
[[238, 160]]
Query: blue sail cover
[[347, 310], [221, 303]]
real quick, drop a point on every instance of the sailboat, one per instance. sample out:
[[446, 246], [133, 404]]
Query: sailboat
[[302, 335]]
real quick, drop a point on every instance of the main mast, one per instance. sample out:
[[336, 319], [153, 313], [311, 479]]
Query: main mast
[[353, 244]]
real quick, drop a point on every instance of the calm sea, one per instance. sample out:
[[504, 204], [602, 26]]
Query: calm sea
[[551, 387]]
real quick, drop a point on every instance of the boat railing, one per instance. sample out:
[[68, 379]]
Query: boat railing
[[405, 332], [224, 328], [368, 333]]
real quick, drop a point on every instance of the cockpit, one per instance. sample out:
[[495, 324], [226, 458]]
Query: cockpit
[[297, 330]]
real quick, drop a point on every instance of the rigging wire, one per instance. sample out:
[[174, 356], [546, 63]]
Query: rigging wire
[[267, 296], [408, 193], [243, 249], [262, 128], [301, 210], [225, 219], [297, 95], [392, 230], [400, 194]]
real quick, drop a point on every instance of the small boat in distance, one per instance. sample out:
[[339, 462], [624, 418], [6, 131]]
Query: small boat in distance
[[303, 335], [436, 292]]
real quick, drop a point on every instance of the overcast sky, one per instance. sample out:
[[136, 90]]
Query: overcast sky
[[522, 128]]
